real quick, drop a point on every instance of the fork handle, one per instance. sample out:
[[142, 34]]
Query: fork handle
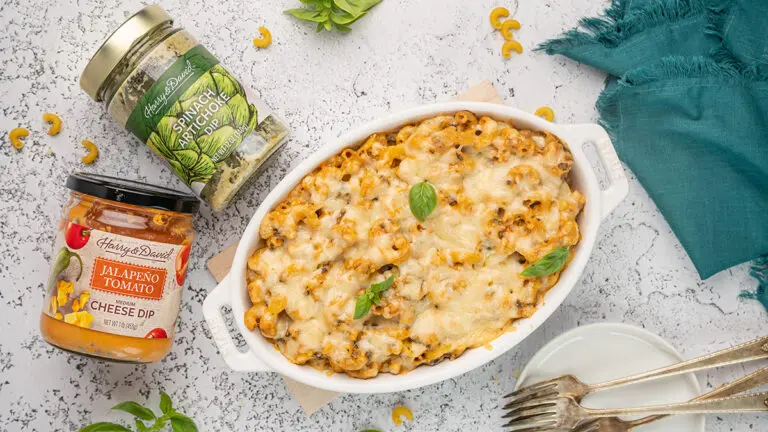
[[755, 402], [749, 382], [754, 350]]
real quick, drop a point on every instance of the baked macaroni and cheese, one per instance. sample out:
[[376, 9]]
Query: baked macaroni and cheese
[[433, 288]]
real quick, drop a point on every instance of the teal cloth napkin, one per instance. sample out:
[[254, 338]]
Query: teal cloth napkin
[[687, 108]]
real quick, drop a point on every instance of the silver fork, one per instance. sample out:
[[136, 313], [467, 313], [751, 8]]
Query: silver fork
[[566, 413], [570, 386], [615, 424]]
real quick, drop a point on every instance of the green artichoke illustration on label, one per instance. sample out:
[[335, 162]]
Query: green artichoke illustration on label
[[204, 125]]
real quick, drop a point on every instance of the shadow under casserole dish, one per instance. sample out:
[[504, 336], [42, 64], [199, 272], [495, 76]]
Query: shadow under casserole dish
[[503, 202]]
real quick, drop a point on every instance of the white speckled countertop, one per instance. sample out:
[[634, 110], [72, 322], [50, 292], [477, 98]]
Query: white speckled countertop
[[403, 54]]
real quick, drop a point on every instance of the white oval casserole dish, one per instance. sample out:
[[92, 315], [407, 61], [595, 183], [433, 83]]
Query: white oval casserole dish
[[261, 356]]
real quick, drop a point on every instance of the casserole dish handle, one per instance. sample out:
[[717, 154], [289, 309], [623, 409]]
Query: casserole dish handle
[[619, 185], [240, 361]]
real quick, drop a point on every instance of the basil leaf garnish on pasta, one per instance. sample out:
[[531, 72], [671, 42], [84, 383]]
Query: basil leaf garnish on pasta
[[372, 296], [422, 199], [548, 264]]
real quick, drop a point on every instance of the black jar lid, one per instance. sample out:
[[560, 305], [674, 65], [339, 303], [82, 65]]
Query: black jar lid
[[133, 192]]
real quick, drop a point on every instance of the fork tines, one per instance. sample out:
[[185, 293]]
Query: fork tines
[[536, 415], [545, 389], [532, 427]]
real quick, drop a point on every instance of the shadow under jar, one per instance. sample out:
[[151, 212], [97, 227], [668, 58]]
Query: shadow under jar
[[160, 84], [120, 261]]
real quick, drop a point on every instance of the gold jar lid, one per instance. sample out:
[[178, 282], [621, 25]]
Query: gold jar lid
[[117, 45]]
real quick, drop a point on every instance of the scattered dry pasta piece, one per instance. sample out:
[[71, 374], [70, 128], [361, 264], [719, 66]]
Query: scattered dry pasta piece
[[15, 135], [400, 411], [508, 26], [546, 113], [509, 46], [93, 152], [264, 40], [55, 122], [496, 15]]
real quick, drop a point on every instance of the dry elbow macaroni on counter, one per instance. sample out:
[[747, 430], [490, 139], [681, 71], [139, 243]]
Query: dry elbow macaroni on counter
[[504, 202]]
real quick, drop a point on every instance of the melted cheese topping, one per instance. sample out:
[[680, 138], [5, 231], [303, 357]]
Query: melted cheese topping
[[503, 203]]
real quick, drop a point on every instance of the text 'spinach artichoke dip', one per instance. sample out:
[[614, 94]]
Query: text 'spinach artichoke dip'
[[119, 267], [438, 285], [173, 94]]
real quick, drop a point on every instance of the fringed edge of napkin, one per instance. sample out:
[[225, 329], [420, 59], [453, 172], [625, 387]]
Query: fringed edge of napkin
[[759, 271], [667, 69], [721, 65], [616, 25], [717, 15]]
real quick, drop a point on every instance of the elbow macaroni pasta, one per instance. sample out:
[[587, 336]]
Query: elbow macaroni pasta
[[15, 136], [264, 40], [496, 15], [509, 46], [55, 122], [504, 201], [93, 152], [546, 113], [507, 27]]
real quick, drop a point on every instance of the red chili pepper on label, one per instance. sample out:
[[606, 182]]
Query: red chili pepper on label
[[156, 333], [77, 235], [182, 262]]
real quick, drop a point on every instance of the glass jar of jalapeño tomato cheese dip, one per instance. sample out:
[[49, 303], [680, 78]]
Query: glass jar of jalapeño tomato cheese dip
[[119, 267], [159, 83]]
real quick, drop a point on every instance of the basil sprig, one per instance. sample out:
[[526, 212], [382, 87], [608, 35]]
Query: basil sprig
[[371, 296], [179, 422], [548, 264], [330, 14], [422, 199]]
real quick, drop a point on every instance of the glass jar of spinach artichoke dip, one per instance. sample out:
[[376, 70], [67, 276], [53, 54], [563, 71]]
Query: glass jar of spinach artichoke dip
[[159, 83]]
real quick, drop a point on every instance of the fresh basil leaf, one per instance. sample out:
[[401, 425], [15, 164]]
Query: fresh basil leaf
[[342, 28], [330, 14], [548, 264], [166, 405], [313, 15], [371, 296], [363, 305], [105, 427], [422, 199], [140, 426], [182, 423], [355, 7], [383, 285], [343, 18], [376, 298], [135, 410]]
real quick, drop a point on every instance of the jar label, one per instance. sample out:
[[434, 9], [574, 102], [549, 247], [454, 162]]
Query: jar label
[[116, 284], [196, 114]]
